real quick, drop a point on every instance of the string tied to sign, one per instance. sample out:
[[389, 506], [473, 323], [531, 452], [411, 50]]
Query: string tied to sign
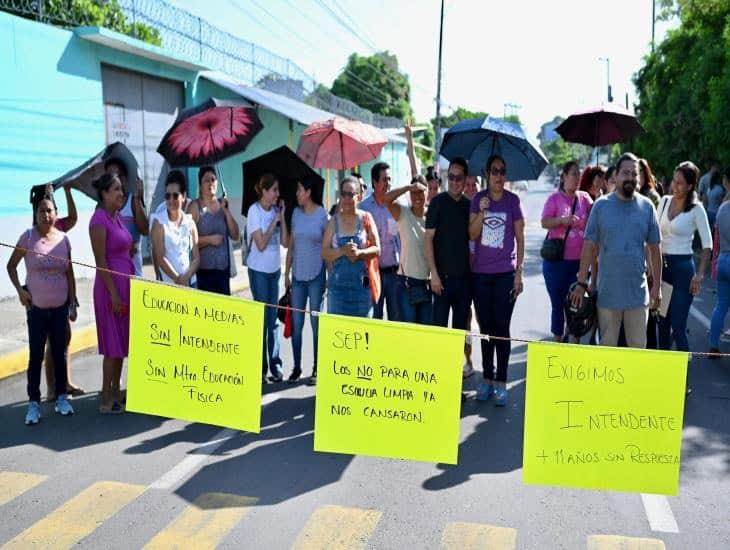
[[316, 313]]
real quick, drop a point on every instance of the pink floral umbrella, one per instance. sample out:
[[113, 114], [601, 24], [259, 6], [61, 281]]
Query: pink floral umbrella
[[340, 143], [209, 133]]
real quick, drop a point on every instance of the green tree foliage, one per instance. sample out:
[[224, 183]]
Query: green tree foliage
[[684, 88], [375, 83], [457, 116], [96, 13], [427, 138], [558, 151]]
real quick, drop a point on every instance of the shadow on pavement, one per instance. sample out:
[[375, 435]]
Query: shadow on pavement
[[85, 428], [495, 445], [278, 464]]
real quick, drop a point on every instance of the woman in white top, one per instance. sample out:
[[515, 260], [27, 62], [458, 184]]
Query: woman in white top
[[266, 234], [175, 235], [415, 293], [680, 215]]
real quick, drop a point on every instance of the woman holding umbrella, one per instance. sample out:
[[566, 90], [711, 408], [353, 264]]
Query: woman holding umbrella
[[215, 225], [304, 261], [267, 232], [497, 225], [350, 239]]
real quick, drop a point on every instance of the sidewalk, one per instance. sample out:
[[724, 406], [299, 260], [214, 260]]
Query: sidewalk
[[14, 331]]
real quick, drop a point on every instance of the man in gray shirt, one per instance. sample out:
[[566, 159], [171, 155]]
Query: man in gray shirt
[[621, 227]]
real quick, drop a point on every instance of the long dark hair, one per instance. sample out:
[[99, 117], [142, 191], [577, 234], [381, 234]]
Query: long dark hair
[[691, 174]]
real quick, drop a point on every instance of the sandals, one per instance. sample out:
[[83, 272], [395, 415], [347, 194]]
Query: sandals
[[75, 391], [114, 408]]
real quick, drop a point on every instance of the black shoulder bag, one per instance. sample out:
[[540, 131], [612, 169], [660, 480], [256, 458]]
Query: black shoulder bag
[[553, 249]]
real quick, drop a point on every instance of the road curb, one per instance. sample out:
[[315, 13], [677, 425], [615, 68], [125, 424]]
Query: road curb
[[16, 362]]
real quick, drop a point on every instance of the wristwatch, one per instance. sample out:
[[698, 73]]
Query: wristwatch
[[582, 284]]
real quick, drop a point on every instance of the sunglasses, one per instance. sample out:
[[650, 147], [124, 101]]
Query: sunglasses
[[498, 171], [348, 195], [174, 195]]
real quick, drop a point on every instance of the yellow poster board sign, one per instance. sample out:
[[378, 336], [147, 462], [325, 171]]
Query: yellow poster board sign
[[604, 418], [195, 356], [388, 389]]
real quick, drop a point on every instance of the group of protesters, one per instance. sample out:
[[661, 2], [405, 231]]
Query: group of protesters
[[425, 260]]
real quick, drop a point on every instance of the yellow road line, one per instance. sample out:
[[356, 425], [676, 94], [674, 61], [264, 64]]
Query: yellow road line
[[336, 527], [204, 523], [78, 517], [17, 361], [613, 542], [478, 536], [82, 339], [14, 484]]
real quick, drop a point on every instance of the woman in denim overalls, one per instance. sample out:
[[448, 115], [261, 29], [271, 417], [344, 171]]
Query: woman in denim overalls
[[345, 247]]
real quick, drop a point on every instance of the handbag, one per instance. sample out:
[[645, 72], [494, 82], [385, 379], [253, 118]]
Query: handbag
[[417, 293], [284, 313], [373, 267], [553, 250]]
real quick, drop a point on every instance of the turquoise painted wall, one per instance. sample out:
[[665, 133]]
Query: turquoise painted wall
[[51, 113]]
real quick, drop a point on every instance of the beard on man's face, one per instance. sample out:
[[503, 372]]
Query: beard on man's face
[[628, 187]]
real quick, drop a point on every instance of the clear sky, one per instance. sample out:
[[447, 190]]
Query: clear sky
[[541, 55]]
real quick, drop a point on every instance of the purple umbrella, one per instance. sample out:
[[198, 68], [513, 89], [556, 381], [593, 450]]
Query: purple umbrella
[[605, 126]]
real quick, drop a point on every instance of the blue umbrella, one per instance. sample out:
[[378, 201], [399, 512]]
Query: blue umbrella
[[476, 139]]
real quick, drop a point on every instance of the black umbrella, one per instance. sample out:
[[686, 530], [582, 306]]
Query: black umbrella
[[604, 126], [82, 177], [289, 169]]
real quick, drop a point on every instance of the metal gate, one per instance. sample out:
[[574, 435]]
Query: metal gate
[[138, 110]]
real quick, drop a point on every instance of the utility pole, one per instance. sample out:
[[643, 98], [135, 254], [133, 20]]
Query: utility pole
[[438, 84], [608, 77], [653, 23]]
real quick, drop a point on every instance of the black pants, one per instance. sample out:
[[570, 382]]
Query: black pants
[[494, 305], [455, 299], [51, 324]]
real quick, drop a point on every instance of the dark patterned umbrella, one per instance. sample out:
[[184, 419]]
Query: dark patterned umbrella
[[209, 133], [605, 126]]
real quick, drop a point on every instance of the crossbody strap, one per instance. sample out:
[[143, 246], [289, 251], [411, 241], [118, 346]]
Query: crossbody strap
[[572, 211]]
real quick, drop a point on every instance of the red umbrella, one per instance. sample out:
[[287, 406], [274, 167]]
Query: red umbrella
[[340, 143], [605, 126], [209, 133]]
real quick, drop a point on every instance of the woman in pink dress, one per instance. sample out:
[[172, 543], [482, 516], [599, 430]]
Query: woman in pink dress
[[112, 246]]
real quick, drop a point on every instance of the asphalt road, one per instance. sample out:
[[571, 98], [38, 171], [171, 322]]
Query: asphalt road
[[168, 482]]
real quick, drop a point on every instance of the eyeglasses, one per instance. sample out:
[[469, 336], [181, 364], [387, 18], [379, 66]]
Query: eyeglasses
[[455, 177], [174, 196], [347, 194], [498, 171]]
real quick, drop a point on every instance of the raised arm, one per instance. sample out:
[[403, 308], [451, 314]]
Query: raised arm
[[411, 151]]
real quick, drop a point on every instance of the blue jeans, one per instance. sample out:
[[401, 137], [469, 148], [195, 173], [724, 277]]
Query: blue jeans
[[389, 293], [678, 271], [723, 299], [51, 324], [300, 291], [265, 288], [455, 298], [558, 278], [494, 305], [420, 313]]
